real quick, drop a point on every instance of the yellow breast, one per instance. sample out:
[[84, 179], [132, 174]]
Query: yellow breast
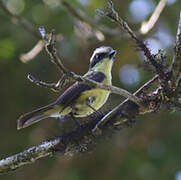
[[80, 107], [100, 96]]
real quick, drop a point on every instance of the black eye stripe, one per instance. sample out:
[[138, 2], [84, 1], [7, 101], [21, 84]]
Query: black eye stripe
[[101, 55], [98, 57]]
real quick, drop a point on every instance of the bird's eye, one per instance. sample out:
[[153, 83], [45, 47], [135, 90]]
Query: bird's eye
[[100, 56], [97, 56]]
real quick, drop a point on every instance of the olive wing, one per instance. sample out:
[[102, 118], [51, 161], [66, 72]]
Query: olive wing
[[74, 91]]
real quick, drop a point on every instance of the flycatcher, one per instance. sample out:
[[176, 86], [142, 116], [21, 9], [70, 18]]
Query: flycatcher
[[79, 100]]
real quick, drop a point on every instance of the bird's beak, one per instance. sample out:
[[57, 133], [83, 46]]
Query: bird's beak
[[112, 54]]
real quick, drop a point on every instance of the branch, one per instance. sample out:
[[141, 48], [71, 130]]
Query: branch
[[54, 86], [114, 16], [66, 144], [147, 26], [33, 52], [176, 63], [21, 20], [82, 17], [28, 156], [118, 108], [30, 28]]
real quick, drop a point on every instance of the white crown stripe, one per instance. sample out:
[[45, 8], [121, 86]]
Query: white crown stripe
[[101, 49]]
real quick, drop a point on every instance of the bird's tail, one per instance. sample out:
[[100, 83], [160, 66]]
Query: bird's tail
[[35, 116]]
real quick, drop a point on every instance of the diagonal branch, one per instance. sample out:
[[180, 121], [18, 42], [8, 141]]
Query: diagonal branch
[[118, 108], [147, 26], [28, 156], [114, 16], [33, 52], [82, 17], [176, 63]]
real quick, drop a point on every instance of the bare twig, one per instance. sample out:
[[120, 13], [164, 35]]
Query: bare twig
[[30, 28], [33, 52], [176, 64], [114, 16], [53, 86], [147, 26], [21, 20], [50, 47], [82, 17]]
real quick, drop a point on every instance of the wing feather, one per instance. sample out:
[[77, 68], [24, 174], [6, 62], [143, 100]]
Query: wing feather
[[74, 91]]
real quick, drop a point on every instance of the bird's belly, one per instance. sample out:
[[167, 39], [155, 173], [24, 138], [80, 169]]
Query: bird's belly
[[80, 108]]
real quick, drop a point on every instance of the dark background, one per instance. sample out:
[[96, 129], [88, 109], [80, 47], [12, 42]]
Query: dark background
[[149, 150]]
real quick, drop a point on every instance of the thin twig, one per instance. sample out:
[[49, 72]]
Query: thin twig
[[50, 47], [176, 64], [21, 20], [114, 16], [82, 17], [147, 26], [33, 52], [27, 25], [53, 86]]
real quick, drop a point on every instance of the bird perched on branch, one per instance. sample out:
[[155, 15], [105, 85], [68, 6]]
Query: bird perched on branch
[[80, 99]]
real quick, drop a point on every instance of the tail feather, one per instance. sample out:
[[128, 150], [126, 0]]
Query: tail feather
[[30, 118]]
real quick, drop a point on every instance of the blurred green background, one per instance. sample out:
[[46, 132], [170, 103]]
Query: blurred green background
[[149, 150]]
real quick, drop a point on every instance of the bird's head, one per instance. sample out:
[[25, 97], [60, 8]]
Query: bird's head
[[102, 57]]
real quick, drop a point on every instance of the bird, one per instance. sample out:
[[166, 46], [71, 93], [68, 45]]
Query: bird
[[80, 99]]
